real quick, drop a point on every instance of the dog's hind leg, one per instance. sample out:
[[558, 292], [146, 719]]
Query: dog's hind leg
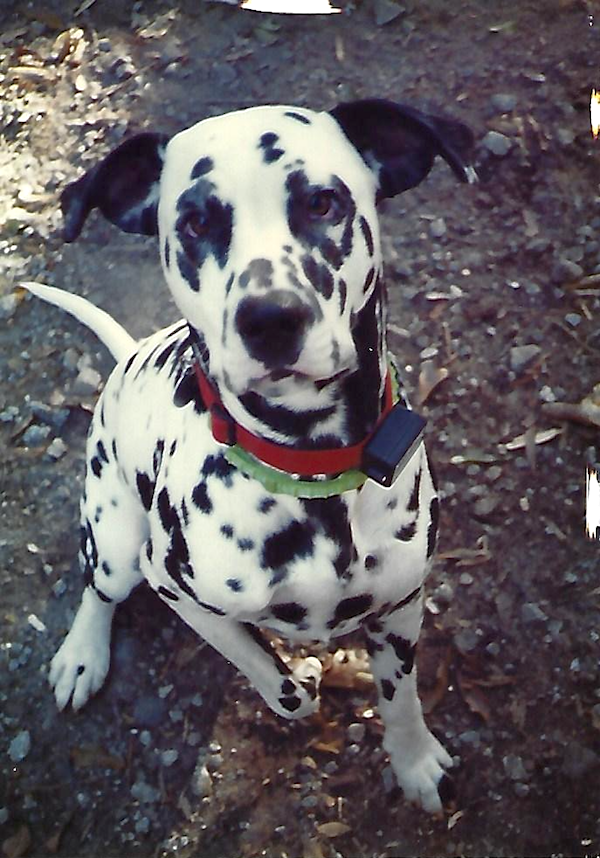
[[113, 530]]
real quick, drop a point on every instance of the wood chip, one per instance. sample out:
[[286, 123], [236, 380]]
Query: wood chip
[[541, 437], [333, 829], [430, 377]]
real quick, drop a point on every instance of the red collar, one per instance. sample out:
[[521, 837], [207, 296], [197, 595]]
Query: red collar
[[289, 459]]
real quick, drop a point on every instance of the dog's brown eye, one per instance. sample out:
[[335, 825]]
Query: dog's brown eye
[[196, 225], [321, 204]]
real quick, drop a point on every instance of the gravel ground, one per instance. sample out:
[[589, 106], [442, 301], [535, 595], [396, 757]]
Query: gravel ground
[[495, 307]]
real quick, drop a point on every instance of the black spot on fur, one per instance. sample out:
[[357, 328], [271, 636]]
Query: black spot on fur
[[165, 354], [96, 466], [219, 467], [368, 235], [245, 544], [354, 606], [266, 504], [188, 271], [145, 488], [202, 167], [187, 391], [167, 253], [371, 562], [343, 293], [405, 651], [270, 151], [368, 280], [373, 646], [319, 276], [106, 568], [201, 499], [298, 117], [227, 531], [102, 596], [235, 584], [168, 594], [406, 533], [294, 541], [388, 689], [289, 612], [413, 502], [287, 687], [332, 517], [101, 452], [434, 512], [129, 362]]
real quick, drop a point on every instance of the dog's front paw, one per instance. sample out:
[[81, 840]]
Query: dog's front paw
[[420, 772], [77, 671], [300, 691]]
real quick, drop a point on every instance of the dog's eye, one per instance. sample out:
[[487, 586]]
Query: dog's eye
[[196, 225], [322, 204]]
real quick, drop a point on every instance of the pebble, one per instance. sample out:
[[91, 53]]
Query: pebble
[[201, 783], [530, 613], [36, 436], [149, 711], [88, 381], [4, 815], [56, 449], [522, 356], [20, 746], [573, 319], [145, 793], [496, 143], [356, 733], [566, 271], [504, 102], [514, 768], [466, 640], [169, 757], [437, 228]]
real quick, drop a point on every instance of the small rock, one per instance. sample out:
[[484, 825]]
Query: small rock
[[169, 757], [87, 382], [104, 45], [356, 733], [466, 640], [4, 815], [201, 783], [56, 449], [573, 319], [530, 613], [504, 102], [36, 436], [470, 737], [514, 768], [566, 271], [145, 793], [522, 356], [565, 136], [496, 143], [437, 228], [484, 507], [20, 746]]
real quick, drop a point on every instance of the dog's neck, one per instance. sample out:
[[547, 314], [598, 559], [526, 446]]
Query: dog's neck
[[341, 413]]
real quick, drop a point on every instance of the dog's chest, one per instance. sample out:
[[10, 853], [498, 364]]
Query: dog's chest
[[309, 568]]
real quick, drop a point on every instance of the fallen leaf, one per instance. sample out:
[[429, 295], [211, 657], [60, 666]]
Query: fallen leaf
[[18, 844], [430, 377], [430, 698], [541, 437], [333, 829], [455, 818], [469, 556], [89, 756], [347, 669], [587, 411], [312, 849], [474, 697]]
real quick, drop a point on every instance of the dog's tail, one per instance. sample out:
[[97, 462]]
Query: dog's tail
[[116, 339]]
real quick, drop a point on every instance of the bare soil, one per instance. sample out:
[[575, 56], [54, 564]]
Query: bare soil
[[177, 755]]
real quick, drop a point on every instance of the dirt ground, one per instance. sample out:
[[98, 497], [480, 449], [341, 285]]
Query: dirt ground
[[495, 308]]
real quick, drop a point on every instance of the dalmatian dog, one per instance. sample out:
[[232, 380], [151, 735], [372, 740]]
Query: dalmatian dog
[[226, 455]]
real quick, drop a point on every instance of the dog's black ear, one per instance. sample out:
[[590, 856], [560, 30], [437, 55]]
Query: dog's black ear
[[400, 143], [124, 186]]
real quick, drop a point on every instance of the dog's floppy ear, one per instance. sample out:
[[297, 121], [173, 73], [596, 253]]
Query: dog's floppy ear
[[399, 143], [124, 186]]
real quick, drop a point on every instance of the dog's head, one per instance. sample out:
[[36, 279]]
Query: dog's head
[[268, 229]]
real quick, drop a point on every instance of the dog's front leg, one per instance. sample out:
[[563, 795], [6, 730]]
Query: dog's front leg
[[418, 759], [291, 693]]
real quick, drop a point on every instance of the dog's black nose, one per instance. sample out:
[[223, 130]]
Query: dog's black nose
[[273, 327]]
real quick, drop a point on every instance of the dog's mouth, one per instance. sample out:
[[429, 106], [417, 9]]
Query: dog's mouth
[[282, 381]]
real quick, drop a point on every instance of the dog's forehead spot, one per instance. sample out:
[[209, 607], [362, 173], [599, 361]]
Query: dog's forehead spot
[[202, 167], [271, 152]]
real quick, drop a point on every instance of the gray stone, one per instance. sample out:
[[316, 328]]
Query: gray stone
[[20, 746], [522, 356], [504, 101], [36, 436], [496, 143], [514, 768], [149, 711], [530, 613], [201, 782], [437, 228], [145, 793], [169, 757]]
